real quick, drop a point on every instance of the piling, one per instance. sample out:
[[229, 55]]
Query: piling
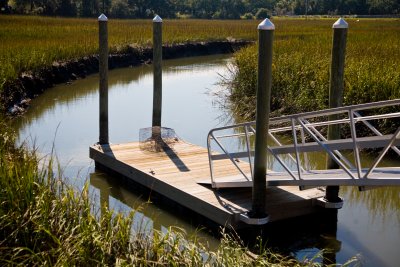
[[157, 71], [336, 85], [103, 79], [264, 83]]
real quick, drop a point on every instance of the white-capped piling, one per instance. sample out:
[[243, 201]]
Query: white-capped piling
[[103, 79], [336, 85], [265, 40], [157, 71]]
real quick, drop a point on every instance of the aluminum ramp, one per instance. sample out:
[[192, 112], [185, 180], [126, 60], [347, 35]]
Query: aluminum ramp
[[290, 138]]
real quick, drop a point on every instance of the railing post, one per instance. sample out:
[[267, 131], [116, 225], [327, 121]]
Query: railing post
[[103, 81], [336, 85], [264, 83], [157, 71]]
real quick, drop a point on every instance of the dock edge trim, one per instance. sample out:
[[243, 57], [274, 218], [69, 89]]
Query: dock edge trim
[[253, 221], [328, 205]]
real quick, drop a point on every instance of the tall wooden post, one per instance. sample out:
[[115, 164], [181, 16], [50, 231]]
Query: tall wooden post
[[336, 85], [264, 83], [103, 81], [157, 70]]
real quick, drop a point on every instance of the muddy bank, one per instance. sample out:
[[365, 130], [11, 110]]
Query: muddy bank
[[17, 93]]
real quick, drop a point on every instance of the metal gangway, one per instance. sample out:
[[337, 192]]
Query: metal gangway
[[291, 137]]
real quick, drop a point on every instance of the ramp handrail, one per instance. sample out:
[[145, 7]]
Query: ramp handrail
[[309, 125]]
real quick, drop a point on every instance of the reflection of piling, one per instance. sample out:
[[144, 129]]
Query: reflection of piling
[[330, 244], [110, 188], [336, 93], [103, 81], [157, 71], [104, 199], [265, 35]]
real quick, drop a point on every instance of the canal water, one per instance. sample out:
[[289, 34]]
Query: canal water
[[65, 120]]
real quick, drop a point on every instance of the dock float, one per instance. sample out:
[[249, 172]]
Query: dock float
[[176, 173]]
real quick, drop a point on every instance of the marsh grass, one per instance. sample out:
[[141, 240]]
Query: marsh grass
[[30, 42], [301, 63], [301, 53]]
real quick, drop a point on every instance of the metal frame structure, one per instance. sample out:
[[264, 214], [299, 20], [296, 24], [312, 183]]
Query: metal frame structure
[[308, 127]]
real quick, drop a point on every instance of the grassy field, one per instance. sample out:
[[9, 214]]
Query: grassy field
[[31, 42], [301, 52], [301, 63]]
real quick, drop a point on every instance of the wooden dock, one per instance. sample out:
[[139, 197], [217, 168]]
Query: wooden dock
[[175, 173]]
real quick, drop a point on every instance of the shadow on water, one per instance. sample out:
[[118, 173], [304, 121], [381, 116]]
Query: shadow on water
[[300, 237], [290, 237], [152, 211], [307, 237]]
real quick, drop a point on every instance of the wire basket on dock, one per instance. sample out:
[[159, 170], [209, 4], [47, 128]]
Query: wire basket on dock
[[157, 139]]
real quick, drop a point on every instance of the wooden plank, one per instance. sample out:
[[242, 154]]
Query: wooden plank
[[212, 212], [162, 172]]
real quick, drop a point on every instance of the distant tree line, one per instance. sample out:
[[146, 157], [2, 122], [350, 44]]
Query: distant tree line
[[216, 9]]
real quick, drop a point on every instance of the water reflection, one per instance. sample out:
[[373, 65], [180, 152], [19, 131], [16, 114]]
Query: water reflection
[[117, 194], [66, 117], [72, 93]]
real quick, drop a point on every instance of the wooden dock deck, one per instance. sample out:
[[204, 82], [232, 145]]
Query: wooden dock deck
[[176, 171]]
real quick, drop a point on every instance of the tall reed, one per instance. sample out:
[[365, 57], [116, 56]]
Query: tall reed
[[31, 42], [301, 62]]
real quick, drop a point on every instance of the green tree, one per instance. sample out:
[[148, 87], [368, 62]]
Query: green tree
[[121, 9], [248, 15], [263, 13], [90, 8], [3, 4], [203, 8], [141, 7], [46, 7], [229, 9], [377, 7], [254, 5], [284, 7], [67, 8], [163, 8]]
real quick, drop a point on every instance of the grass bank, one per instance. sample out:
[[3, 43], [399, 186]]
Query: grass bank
[[44, 222], [301, 55], [301, 63], [38, 52], [29, 42]]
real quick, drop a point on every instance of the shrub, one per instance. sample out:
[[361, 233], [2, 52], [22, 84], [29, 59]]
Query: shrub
[[247, 16], [263, 13]]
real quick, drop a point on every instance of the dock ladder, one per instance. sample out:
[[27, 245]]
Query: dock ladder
[[291, 137]]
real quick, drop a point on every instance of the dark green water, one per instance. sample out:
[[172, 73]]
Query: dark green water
[[66, 118]]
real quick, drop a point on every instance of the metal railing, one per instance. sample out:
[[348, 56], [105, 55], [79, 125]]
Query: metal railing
[[307, 135]]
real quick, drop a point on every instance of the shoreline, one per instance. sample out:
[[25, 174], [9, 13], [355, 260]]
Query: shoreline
[[17, 93]]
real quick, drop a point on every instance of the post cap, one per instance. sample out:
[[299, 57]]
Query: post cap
[[102, 17], [340, 24], [157, 18], [266, 24]]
